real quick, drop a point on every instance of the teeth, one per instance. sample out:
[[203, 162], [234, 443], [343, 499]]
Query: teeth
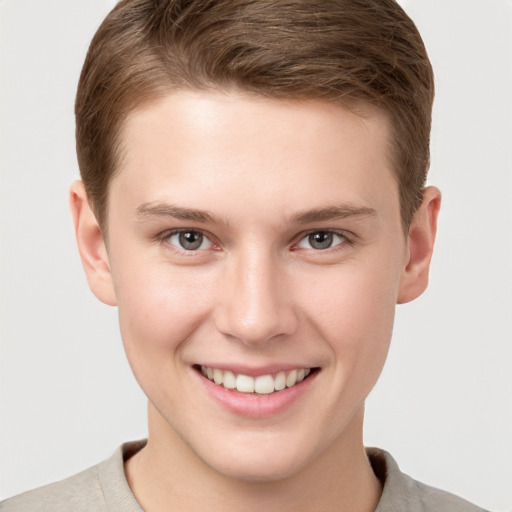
[[244, 384], [280, 381], [263, 385], [218, 376], [291, 380], [229, 380]]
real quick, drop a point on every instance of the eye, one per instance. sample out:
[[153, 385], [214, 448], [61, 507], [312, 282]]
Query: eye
[[321, 240], [189, 240]]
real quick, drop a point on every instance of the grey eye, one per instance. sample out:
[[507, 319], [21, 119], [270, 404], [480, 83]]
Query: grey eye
[[189, 240], [321, 240]]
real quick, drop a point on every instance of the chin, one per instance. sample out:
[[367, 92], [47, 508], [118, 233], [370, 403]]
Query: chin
[[257, 461], [258, 470]]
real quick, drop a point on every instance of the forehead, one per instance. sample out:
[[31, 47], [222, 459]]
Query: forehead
[[215, 147]]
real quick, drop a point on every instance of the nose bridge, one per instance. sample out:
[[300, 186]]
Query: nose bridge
[[255, 305]]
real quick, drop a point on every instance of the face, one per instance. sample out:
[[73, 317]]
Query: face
[[256, 255]]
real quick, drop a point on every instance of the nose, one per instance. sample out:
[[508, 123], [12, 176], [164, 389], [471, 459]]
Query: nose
[[255, 300]]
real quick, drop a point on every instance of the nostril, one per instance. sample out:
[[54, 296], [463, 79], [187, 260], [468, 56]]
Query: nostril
[[258, 327]]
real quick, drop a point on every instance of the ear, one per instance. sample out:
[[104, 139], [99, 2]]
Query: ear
[[91, 245], [421, 237]]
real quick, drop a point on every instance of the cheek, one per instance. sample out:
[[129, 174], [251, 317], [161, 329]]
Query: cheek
[[359, 297], [355, 315], [159, 308]]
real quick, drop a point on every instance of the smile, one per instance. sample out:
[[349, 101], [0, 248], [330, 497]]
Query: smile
[[263, 384]]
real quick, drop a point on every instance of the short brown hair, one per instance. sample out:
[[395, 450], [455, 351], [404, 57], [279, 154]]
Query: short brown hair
[[342, 51]]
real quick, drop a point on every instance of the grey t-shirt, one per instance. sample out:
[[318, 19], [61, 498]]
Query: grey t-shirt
[[103, 488]]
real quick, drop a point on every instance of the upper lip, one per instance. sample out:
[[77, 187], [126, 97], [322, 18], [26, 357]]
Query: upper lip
[[256, 371]]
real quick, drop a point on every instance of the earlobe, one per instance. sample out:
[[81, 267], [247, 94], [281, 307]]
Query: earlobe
[[421, 238], [91, 245]]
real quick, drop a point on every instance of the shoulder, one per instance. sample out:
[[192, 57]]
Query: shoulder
[[433, 499], [401, 493], [100, 488], [74, 493]]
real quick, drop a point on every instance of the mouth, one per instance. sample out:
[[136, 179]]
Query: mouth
[[266, 384]]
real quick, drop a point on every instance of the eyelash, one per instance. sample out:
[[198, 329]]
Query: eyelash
[[165, 239], [346, 240]]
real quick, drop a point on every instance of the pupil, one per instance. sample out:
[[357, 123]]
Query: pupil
[[321, 240], [190, 240]]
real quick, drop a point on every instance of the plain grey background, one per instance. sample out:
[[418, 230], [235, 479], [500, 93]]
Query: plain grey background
[[443, 406]]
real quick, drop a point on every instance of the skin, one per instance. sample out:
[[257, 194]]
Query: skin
[[256, 293]]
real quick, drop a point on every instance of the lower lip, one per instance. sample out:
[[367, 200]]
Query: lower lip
[[253, 405]]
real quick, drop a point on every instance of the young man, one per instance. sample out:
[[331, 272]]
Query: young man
[[253, 202]]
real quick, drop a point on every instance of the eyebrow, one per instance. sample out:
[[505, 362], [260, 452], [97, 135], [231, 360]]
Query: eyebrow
[[176, 212], [332, 212], [302, 217]]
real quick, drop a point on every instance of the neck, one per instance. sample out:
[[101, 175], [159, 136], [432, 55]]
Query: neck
[[167, 475]]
